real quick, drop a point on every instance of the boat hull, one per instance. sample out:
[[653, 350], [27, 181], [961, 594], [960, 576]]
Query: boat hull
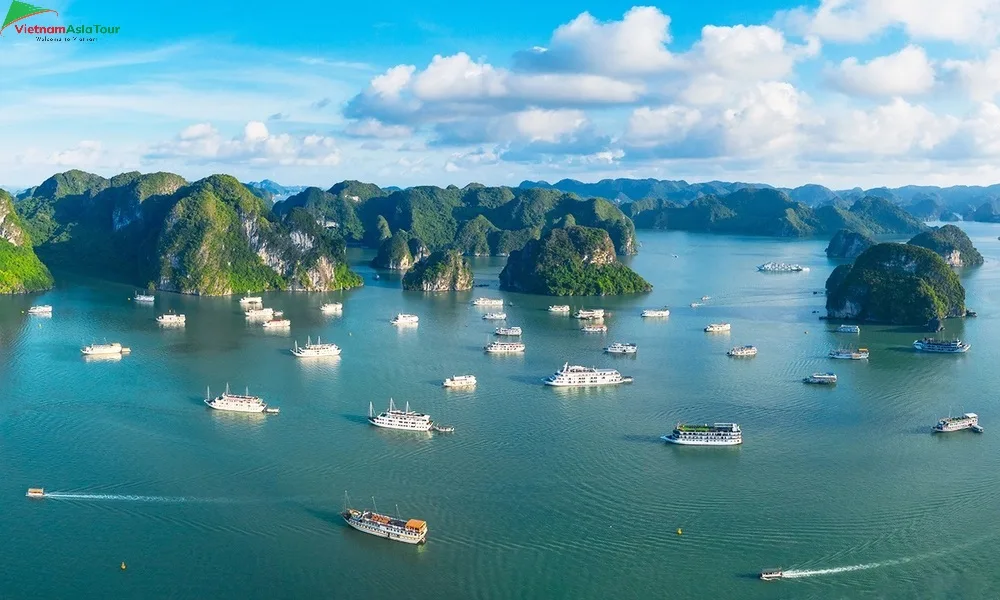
[[672, 440], [382, 533], [418, 427], [598, 384], [251, 410]]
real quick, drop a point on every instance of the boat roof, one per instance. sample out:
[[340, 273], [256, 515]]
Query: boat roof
[[416, 524]]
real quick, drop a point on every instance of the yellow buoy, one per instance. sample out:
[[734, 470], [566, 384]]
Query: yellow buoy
[[679, 532], [123, 565]]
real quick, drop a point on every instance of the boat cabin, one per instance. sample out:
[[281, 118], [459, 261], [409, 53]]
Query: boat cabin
[[771, 574]]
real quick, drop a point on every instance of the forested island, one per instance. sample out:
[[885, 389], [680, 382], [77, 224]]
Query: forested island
[[20, 269]]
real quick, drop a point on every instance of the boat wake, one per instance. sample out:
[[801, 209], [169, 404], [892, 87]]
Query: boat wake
[[796, 573], [134, 498]]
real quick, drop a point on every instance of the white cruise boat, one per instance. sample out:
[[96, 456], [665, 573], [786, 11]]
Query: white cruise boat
[[171, 319], [487, 302], [656, 312], [718, 327], [706, 297], [742, 351], [966, 421], [776, 267], [140, 297], [859, 354], [259, 313], [594, 313], [393, 418], [577, 376], [277, 324], [594, 328], [40, 309], [495, 316], [332, 307], [311, 350], [504, 347], [405, 319], [719, 434], [620, 348], [409, 531], [248, 299], [508, 331], [849, 329], [821, 379], [238, 402], [104, 349], [944, 346], [696, 304], [559, 308], [460, 381]]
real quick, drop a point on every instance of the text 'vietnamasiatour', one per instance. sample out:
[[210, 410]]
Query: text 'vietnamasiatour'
[[57, 29]]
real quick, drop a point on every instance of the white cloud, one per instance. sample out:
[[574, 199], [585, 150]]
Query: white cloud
[[979, 78], [373, 128], [548, 125], [961, 21], [894, 129], [905, 73], [85, 154], [258, 146], [664, 125], [747, 53]]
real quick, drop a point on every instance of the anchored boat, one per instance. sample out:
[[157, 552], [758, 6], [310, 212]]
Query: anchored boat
[[238, 402], [409, 531]]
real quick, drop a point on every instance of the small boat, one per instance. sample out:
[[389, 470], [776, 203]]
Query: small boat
[[706, 297], [821, 379], [36, 493], [559, 308], [443, 428], [859, 354], [620, 348], [311, 350], [718, 328], [259, 313], [405, 319], [487, 302], [171, 319], [504, 348], [332, 307], [239, 402], [495, 316], [849, 329], [696, 304], [771, 574], [98, 349], [140, 297], [941, 346], [966, 421], [277, 324], [594, 313], [508, 331], [410, 531], [776, 267], [248, 299], [460, 381], [656, 312], [40, 309], [594, 328], [742, 351]]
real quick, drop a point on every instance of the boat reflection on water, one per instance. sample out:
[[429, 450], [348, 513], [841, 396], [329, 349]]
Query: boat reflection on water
[[102, 357]]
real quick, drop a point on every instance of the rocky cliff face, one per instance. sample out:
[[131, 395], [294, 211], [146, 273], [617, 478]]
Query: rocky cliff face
[[848, 244], [442, 271], [394, 253], [895, 283], [10, 225], [20, 269]]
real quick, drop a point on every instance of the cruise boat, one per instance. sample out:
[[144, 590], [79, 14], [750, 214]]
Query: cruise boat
[[559, 308], [99, 349], [595, 313], [508, 331], [171, 319], [238, 402], [495, 316], [311, 350], [849, 329], [859, 354], [40, 309], [332, 307], [393, 418], [460, 381], [934, 345], [259, 313], [36, 493], [504, 347], [777, 267], [821, 379], [405, 319], [577, 376], [594, 328], [410, 531], [742, 351], [277, 324], [656, 312], [771, 574], [718, 327], [248, 299], [719, 434], [706, 297], [696, 304], [966, 421], [620, 348], [487, 302], [140, 297]]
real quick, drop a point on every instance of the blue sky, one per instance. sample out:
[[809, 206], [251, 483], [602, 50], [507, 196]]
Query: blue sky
[[838, 92]]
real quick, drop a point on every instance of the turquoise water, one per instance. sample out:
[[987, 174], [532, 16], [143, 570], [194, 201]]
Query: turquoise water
[[540, 492]]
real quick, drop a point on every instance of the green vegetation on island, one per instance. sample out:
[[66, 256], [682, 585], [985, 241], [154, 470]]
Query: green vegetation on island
[[20, 269], [399, 252], [895, 283], [444, 270], [570, 261], [848, 244], [952, 244]]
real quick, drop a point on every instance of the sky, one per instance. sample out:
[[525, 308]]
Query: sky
[[842, 93]]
